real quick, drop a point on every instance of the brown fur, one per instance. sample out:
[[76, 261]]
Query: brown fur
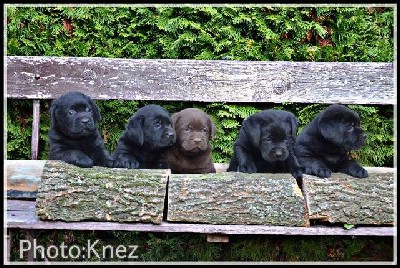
[[192, 152]]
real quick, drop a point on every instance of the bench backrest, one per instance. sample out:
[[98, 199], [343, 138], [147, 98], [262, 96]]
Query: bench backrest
[[36, 78]]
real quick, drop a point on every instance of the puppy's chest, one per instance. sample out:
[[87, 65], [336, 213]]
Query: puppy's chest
[[85, 145], [335, 159]]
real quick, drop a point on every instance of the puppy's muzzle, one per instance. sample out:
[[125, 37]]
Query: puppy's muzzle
[[84, 121], [361, 141], [279, 154], [170, 137]]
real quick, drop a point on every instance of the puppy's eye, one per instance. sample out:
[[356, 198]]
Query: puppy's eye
[[71, 112], [87, 109], [186, 129], [157, 125], [351, 127], [204, 130]]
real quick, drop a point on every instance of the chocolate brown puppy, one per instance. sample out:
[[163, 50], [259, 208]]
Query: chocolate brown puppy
[[265, 144], [325, 143], [74, 136], [146, 139], [192, 152]]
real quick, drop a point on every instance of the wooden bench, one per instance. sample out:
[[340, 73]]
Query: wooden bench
[[39, 78]]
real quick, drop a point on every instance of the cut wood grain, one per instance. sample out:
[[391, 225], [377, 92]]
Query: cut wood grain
[[236, 198], [37, 77], [71, 193], [345, 199], [23, 177]]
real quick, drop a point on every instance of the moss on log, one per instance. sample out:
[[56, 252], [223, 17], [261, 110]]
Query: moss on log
[[236, 198], [344, 199], [71, 193]]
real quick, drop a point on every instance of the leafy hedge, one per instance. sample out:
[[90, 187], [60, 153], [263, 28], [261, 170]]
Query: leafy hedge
[[203, 32]]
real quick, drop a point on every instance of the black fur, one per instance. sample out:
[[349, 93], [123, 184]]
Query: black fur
[[146, 139], [265, 144], [324, 144], [74, 136]]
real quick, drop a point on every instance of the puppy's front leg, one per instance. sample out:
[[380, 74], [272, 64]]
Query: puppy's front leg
[[102, 158], [245, 160], [75, 157], [354, 169], [313, 166], [125, 160], [162, 162], [294, 167]]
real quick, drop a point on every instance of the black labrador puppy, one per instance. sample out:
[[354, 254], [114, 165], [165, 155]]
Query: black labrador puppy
[[146, 139], [265, 144], [324, 144], [74, 136]]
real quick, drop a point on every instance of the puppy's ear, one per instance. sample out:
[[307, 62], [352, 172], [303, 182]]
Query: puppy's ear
[[95, 109], [211, 126], [53, 108], [252, 128], [135, 129], [174, 119], [294, 124], [328, 127]]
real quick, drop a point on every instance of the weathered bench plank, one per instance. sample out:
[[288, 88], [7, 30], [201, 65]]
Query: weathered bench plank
[[35, 77], [21, 215], [344, 199], [236, 198], [72, 193]]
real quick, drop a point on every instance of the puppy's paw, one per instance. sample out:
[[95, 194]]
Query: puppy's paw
[[319, 172], [126, 163], [248, 167], [83, 161], [323, 172], [358, 172], [109, 163]]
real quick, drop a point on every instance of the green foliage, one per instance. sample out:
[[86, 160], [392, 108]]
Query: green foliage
[[348, 226], [167, 247], [255, 249]]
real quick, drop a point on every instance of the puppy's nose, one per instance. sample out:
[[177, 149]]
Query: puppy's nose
[[197, 140], [85, 121], [170, 135]]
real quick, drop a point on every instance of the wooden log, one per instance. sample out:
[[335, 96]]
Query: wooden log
[[236, 198], [345, 199], [21, 215], [71, 193], [37, 77]]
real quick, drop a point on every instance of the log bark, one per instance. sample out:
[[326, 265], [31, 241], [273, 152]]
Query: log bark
[[236, 198], [345, 199], [34, 77], [21, 215], [71, 193]]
